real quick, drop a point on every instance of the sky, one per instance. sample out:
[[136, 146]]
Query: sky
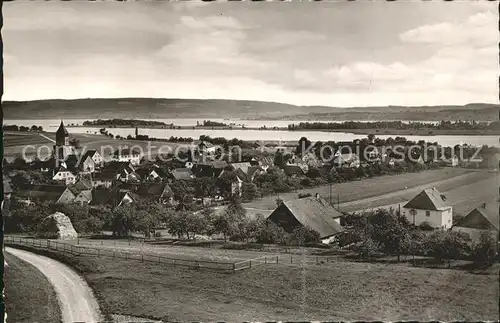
[[306, 53]]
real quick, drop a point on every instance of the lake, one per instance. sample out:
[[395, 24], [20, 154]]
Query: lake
[[250, 135]]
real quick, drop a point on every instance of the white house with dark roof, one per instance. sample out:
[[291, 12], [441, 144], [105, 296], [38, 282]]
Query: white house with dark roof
[[429, 206]]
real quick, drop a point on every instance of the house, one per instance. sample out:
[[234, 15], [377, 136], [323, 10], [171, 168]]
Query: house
[[128, 175], [104, 179], [264, 162], [82, 194], [431, 207], [312, 212], [132, 156], [64, 175], [311, 160], [246, 171], [346, 160], [57, 194], [181, 174], [160, 192], [96, 158], [236, 181], [209, 168], [207, 148], [113, 198], [484, 218], [151, 174], [294, 171]]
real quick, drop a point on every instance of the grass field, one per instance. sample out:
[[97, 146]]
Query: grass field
[[29, 296], [463, 193], [332, 291], [378, 186]]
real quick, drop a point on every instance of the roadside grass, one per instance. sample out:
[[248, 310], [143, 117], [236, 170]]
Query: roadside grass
[[328, 291], [372, 187], [29, 296]]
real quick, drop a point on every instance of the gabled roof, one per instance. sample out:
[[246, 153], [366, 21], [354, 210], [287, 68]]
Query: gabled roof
[[155, 190], [43, 192], [428, 199], [206, 144], [243, 166], [346, 158], [293, 170], [484, 217], [315, 213], [83, 184], [87, 194], [89, 153], [182, 173]]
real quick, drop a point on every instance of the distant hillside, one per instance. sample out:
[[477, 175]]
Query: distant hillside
[[192, 108]]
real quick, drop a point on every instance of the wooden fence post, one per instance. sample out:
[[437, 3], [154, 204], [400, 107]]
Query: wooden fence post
[[277, 259], [290, 258], [265, 260], [113, 254], [142, 257], [316, 259], [98, 253], [234, 268], [249, 264]]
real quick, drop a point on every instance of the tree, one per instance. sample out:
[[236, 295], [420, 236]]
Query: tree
[[249, 192], [123, 220], [74, 142], [279, 159], [303, 145], [371, 138], [270, 232], [484, 251], [448, 245], [204, 187]]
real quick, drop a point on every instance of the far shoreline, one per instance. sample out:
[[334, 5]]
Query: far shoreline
[[382, 131]]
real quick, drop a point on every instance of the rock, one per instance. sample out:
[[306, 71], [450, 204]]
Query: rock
[[57, 226]]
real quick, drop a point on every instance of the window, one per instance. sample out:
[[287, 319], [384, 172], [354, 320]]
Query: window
[[427, 213]]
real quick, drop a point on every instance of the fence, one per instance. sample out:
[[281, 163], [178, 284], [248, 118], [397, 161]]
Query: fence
[[252, 263], [77, 250]]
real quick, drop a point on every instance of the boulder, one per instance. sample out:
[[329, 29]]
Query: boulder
[[57, 226]]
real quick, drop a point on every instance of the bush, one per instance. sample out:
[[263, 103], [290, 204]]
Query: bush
[[302, 235], [426, 226], [269, 232], [484, 251], [304, 195]]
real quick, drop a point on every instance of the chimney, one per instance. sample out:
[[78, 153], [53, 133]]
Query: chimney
[[317, 196], [483, 205], [443, 197]]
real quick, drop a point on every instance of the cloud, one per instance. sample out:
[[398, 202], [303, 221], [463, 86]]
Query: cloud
[[478, 29]]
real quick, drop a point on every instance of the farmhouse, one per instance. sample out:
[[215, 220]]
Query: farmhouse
[[160, 192], [312, 212], [346, 161], [91, 161], [483, 218], [58, 194], [132, 156], [429, 206], [64, 175], [181, 174]]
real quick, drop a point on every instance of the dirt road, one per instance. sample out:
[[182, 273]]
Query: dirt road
[[75, 296]]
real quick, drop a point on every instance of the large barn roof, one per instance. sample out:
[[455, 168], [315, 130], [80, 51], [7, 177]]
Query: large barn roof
[[315, 213]]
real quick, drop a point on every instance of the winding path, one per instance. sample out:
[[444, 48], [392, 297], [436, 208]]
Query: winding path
[[76, 299]]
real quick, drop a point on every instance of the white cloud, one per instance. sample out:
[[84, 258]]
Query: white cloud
[[478, 29]]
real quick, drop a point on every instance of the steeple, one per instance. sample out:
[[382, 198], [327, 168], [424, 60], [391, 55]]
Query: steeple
[[62, 136]]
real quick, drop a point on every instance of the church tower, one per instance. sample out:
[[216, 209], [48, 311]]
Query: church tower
[[62, 147], [62, 136]]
